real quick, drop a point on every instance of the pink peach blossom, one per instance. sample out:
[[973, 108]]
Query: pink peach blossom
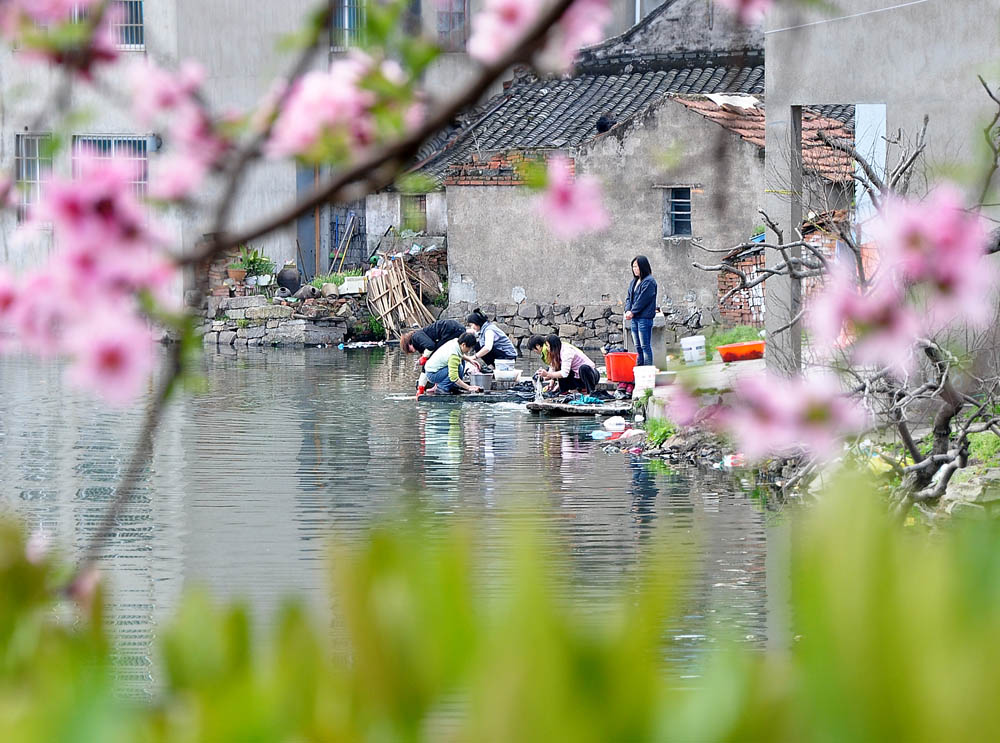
[[582, 24], [98, 209], [750, 12], [775, 415], [499, 26], [322, 103], [681, 406], [156, 91], [8, 295], [937, 247], [112, 355], [571, 207], [36, 549], [876, 326], [177, 177]]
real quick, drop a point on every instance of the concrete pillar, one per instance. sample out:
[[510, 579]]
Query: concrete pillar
[[783, 204], [658, 341]]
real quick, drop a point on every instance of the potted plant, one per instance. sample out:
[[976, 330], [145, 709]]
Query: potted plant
[[260, 268], [237, 271]]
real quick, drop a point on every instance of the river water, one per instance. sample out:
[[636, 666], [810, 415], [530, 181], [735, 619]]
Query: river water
[[282, 447]]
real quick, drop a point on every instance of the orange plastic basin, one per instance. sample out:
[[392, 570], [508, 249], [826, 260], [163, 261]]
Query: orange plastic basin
[[741, 351], [619, 366]]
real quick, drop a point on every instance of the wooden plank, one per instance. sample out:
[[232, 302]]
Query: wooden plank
[[618, 407], [471, 397]]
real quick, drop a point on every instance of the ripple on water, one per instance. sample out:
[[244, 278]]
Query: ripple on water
[[250, 479]]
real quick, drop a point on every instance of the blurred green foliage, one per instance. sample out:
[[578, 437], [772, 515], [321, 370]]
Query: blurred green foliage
[[893, 640]]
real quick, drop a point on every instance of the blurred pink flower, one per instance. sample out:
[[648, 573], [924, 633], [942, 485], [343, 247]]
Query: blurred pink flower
[[36, 549], [582, 24], [749, 12], [571, 206], [177, 177], [499, 26], [775, 415], [8, 296], [112, 355], [84, 587], [40, 12], [938, 246], [878, 327], [156, 91], [42, 312], [682, 406], [322, 103], [98, 209]]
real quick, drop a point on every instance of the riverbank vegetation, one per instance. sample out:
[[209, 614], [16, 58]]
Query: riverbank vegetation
[[892, 640]]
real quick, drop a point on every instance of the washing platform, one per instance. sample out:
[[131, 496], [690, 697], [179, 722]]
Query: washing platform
[[613, 407], [492, 396]]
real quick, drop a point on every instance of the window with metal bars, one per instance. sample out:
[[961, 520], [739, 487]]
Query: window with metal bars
[[127, 23], [348, 23], [128, 26], [32, 166], [677, 212], [415, 212], [130, 148], [452, 24]]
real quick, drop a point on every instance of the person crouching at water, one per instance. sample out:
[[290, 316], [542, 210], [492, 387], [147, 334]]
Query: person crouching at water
[[569, 367], [426, 341], [493, 342], [446, 366], [537, 344]]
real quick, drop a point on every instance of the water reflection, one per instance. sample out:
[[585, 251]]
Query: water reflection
[[250, 478]]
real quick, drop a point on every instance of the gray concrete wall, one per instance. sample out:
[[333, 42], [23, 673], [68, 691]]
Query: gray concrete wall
[[499, 248], [27, 86], [681, 26], [382, 211], [918, 57], [238, 47]]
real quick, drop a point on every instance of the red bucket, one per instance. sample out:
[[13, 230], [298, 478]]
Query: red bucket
[[620, 365]]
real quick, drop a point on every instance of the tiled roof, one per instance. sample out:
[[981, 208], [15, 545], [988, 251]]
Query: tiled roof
[[748, 123], [562, 113]]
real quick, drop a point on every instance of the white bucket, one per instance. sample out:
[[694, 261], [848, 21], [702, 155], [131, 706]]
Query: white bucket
[[694, 349], [504, 364], [645, 376]]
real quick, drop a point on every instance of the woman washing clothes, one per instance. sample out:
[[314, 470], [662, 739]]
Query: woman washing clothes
[[569, 368], [493, 342]]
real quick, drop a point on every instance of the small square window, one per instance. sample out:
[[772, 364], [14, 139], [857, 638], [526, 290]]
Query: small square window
[[677, 212], [128, 24], [32, 165]]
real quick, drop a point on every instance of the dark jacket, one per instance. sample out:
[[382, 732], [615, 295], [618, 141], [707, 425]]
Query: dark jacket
[[641, 300], [434, 335]]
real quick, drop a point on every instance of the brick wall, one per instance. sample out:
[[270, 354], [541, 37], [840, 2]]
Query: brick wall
[[747, 307], [491, 169], [744, 307]]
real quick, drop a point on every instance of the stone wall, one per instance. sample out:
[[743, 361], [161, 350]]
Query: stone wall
[[254, 321], [585, 326]]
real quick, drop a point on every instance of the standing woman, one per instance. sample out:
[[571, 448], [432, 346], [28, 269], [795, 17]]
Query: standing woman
[[493, 342], [640, 308]]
